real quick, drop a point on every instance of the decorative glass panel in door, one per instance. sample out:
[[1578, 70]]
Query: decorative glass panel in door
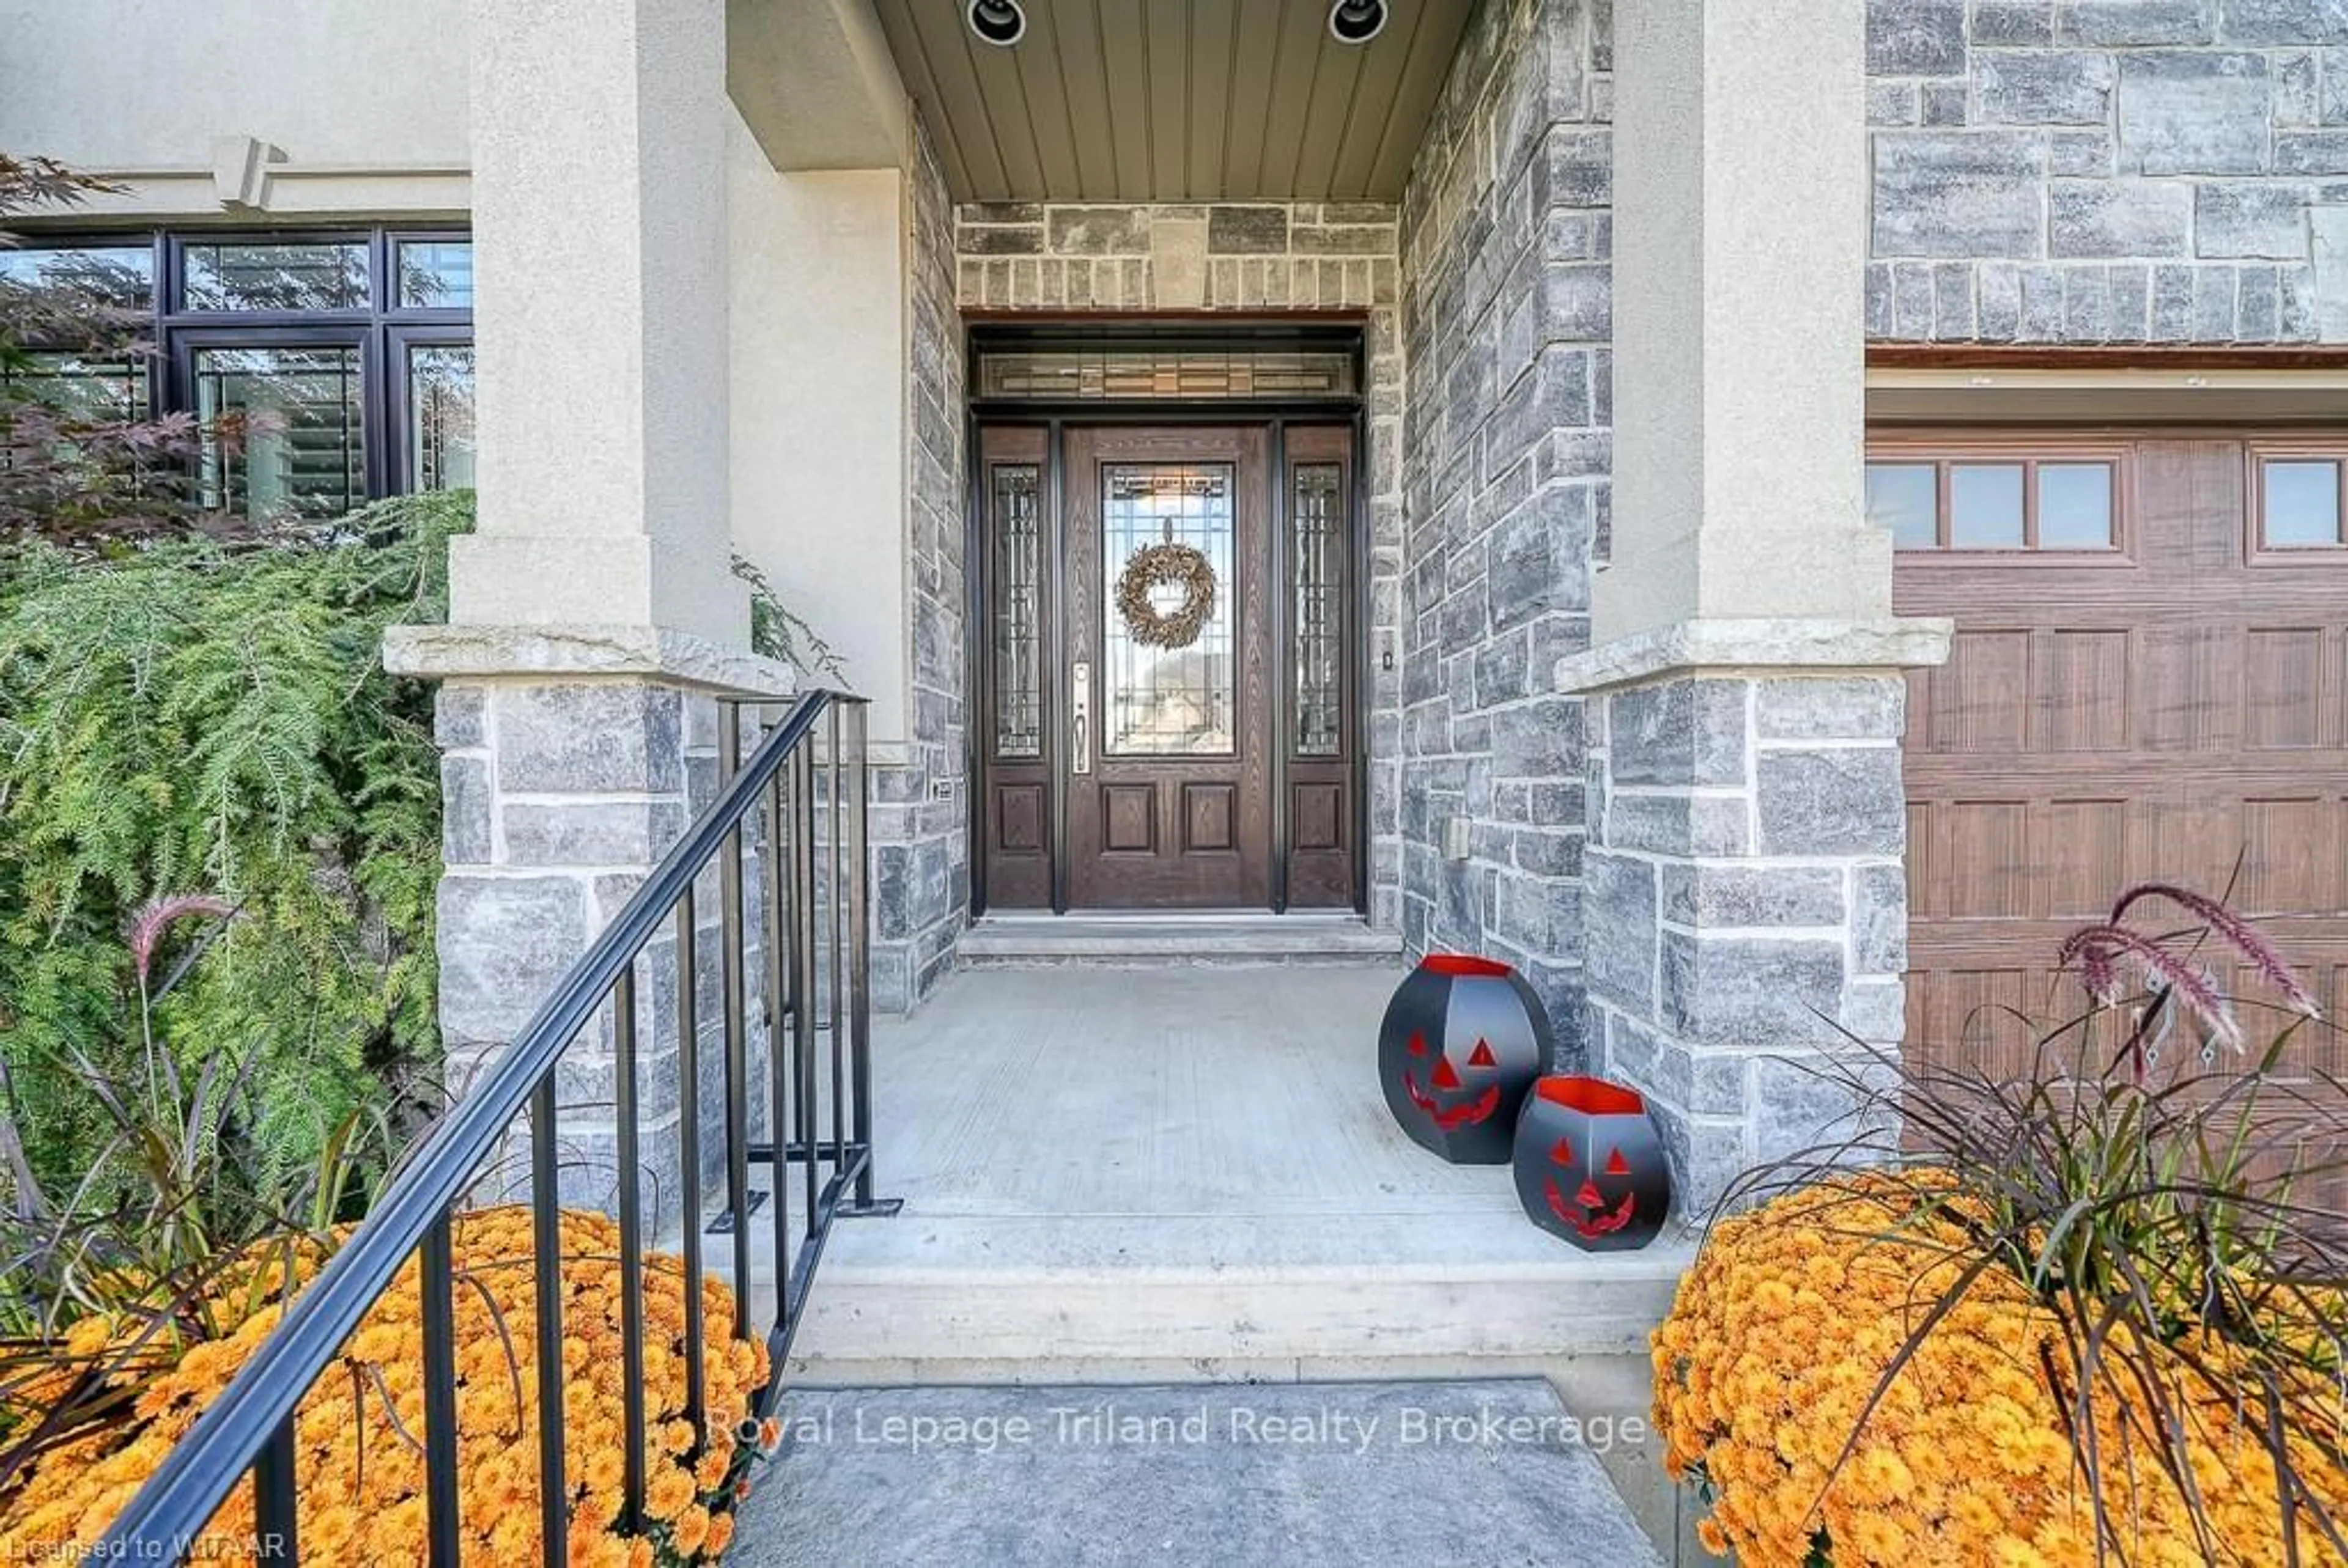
[[1018, 612], [1167, 651], [1318, 525]]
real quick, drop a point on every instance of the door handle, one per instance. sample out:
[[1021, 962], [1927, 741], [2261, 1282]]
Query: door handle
[[1080, 714]]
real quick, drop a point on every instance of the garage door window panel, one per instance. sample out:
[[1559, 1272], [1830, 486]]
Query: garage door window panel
[[1986, 509], [2014, 503], [2299, 501], [1905, 498], [2074, 505]]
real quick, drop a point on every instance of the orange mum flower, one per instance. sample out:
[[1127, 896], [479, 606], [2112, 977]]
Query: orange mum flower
[[690, 1530], [354, 1514], [1775, 1347]]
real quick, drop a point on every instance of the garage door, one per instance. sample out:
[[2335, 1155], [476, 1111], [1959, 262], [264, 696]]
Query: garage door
[[2150, 681]]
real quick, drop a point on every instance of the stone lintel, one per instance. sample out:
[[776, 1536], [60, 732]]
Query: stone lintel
[[1730, 647], [653, 654]]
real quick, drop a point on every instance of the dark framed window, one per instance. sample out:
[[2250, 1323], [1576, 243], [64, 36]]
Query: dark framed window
[[349, 354], [301, 395]]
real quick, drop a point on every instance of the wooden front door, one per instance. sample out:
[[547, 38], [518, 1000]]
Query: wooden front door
[[1169, 765], [1167, 667]]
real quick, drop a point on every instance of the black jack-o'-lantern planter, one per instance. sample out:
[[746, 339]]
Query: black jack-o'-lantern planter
[[1463, 1041], [1590, 1167]]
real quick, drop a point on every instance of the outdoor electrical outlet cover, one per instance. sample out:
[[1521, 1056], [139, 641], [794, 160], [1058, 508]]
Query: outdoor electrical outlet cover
[[1589, 1166], [1462, 1042]]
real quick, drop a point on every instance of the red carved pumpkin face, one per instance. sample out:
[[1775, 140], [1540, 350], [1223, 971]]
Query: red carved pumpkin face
[[1462, 1095], [1604, 1194]]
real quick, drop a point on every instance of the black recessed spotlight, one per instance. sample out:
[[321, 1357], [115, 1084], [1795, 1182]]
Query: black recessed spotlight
[[998, 22], [1358, 21]]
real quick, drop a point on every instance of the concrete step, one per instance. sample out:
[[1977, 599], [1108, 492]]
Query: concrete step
[[1007, 1298], [1481, 1474], [1162, 940]]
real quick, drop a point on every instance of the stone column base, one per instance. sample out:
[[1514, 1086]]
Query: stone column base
[[572, 760], [1744, 889]]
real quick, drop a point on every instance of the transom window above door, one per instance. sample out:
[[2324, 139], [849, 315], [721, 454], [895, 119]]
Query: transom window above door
[[2024, 500]]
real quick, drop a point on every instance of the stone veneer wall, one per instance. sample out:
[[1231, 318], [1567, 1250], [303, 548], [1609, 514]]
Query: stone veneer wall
[[560, 795], [1261, 259], [1748, 898], [921, 858], [1507, 304], [2109, 170]]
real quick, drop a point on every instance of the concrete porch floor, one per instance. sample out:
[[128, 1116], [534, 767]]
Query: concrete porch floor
[[1124, 1175], [1183, 1175]]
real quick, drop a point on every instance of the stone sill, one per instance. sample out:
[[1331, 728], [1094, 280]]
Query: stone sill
[[1724, 646], [649, 653]]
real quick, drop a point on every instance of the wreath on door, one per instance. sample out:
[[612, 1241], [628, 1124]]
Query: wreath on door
[[1159, 565]]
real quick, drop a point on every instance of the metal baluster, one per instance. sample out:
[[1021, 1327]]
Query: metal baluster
[[859, 957], [836, 1013], [274, 1494], [632, 1253], [546, 1238], [688, 1132], [738, 1042], [435, 1273], [778, 999], [803, 977]]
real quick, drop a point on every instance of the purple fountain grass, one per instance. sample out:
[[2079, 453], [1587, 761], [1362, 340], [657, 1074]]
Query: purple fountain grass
[[2181, 1235], [2096, 952], [156, 915], [2236, 932]]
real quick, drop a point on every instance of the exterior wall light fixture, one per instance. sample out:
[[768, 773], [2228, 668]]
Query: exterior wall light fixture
[[998, 22]]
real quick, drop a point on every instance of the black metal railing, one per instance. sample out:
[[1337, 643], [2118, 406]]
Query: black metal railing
[[799, 806]]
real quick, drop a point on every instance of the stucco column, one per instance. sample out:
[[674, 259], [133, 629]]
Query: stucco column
[[600, 236], [1745, 894], [594, 617]]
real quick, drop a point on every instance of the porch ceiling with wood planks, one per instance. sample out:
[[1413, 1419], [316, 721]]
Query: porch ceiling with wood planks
[[1175, 100]]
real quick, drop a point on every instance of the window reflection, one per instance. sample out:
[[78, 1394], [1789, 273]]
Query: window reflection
[[120, 275], [328, 276], [92, 392], [303, 450], [440, 417], [435, 274]]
